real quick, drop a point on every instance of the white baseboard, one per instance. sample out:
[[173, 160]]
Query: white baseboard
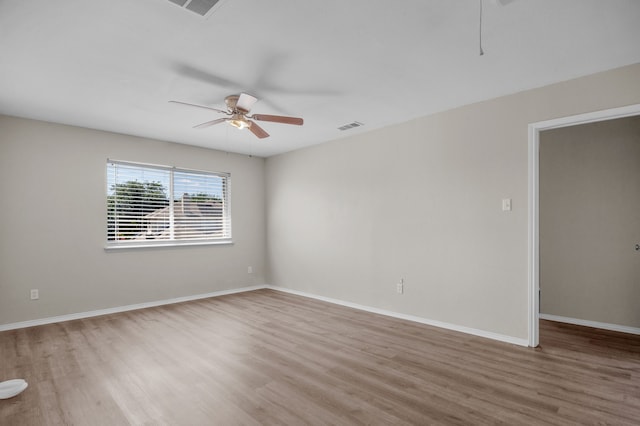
[[89, 314], [594, 324], [440, 324]]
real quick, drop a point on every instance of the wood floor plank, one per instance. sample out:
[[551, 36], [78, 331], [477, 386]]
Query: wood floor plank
[[266, 357]]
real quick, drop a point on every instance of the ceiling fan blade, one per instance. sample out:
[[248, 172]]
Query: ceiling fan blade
[[278, 119], [206, 77], [210, 123], [201, 106], [245, 102], [257, 130]]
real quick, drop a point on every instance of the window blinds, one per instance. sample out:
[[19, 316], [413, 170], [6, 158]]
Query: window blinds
[[164, 205]]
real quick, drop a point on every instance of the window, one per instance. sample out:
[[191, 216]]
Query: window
[[158, 205]]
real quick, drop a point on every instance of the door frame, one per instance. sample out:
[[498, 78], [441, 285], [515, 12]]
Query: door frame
[[534, 200]]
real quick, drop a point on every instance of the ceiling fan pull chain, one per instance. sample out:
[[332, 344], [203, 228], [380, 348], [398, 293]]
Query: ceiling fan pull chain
[[480, 30]]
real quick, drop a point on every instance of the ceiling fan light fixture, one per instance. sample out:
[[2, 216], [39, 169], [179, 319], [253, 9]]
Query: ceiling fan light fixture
[[238, 121]]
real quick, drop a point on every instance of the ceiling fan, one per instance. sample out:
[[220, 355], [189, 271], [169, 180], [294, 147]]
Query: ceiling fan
[[238, 107]]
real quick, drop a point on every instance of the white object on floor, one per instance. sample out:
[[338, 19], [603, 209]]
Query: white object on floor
[[11, 388]]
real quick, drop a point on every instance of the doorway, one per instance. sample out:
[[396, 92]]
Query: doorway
[[534, 201]]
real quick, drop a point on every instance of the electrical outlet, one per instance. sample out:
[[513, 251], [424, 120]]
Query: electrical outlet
[[250, 270], [35, 294], [400, 287]]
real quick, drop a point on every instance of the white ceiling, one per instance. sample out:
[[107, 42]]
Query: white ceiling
[[113, 65]]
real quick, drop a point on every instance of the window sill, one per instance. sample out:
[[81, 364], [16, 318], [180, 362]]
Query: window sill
[[170, 244]]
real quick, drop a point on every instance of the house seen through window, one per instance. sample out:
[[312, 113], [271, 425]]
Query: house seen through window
[[165, 205]]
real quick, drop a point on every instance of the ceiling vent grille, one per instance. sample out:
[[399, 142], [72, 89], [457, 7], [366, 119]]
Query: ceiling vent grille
[[201, 7], [350, 126]]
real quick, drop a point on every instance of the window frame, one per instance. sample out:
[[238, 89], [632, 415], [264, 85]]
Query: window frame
[[172, 241]]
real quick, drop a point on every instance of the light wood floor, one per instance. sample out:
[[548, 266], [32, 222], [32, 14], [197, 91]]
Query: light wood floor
[[267, 357]]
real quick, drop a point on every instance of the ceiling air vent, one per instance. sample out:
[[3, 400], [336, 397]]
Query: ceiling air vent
[[350, 125], [201, 7]]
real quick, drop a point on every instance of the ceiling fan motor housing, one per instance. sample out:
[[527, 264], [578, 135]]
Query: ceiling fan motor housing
[[232, 101]]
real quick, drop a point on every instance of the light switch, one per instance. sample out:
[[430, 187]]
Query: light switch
[[506, 204]]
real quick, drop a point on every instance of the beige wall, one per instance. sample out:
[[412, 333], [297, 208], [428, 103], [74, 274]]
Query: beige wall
[[53, 227], [422, 201], [590, 222], [345, 219]]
